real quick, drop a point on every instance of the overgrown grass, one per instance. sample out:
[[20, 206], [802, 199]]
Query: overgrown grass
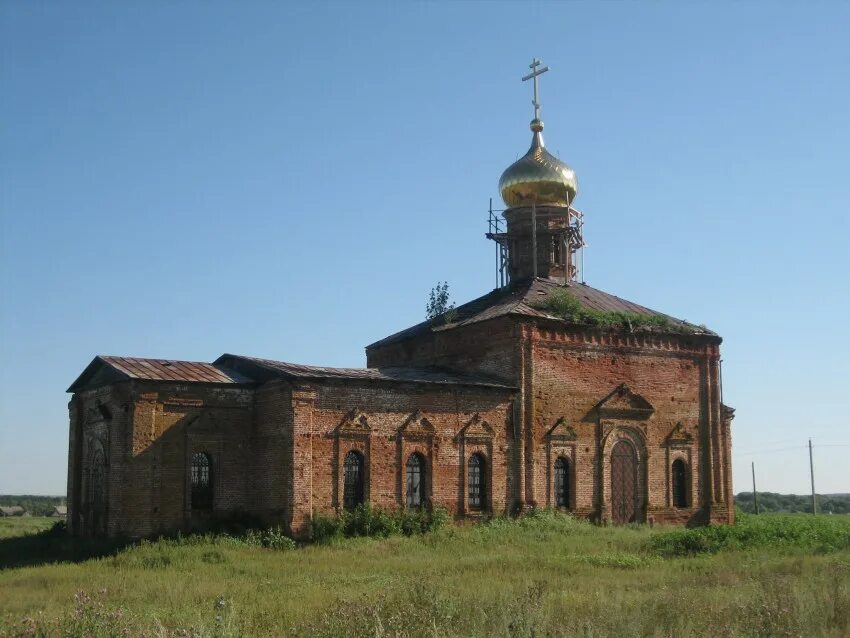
[[17, 526], [561, 303], [818, 534], [372, 522], [544, 574]]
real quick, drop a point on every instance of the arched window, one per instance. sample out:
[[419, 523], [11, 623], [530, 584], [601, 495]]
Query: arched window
[[352, 480], [477, 482], [201, 480], [97, 471], [679, 475], [562, 482], [415, 472], [96, 491]]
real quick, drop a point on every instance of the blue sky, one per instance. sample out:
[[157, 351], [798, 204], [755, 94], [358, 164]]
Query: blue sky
[[180, 180]]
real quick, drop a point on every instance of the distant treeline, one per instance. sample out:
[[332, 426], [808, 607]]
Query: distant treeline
[[794, 503], [35, 505]]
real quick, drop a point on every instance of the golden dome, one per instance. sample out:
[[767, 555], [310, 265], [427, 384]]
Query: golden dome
[[538, 177]]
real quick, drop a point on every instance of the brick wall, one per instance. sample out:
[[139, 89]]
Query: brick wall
[[277, 451], [488, 348], [574, 371], [387, 423], [563, 374], [148, 433]]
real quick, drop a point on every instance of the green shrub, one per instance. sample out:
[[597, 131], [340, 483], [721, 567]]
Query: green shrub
[[324, 529], [365, 520], [439, 517], [814, 533], [272, 538], [369, 521]]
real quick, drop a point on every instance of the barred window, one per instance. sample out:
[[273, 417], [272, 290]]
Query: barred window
[[562, 482], [353, 480], [477, 482], [415, 472], [679, 476], [201, 480]]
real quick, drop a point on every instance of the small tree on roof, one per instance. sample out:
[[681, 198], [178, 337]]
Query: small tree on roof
[[439, 303]]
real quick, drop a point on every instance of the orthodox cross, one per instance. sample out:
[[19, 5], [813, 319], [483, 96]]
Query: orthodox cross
[[534, 73]]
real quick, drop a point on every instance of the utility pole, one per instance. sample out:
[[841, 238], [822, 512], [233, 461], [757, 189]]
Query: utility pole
[[755, 494], [812, 471]]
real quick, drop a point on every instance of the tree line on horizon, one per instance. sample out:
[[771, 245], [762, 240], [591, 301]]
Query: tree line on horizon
[[770, 502], [35, 505]]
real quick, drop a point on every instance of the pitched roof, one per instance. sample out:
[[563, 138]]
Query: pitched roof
[[103, 370], [239, 370], [519, 300], [264, 369]]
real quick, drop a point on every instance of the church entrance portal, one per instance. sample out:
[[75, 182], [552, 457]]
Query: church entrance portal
[[623, 483]]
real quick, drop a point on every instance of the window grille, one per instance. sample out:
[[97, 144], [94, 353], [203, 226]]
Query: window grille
[[562, 482], [679, 474], [201, 480], [352, 480], [477, 482], [415, 472]]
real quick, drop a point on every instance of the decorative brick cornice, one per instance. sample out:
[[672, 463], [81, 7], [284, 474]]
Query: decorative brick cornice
[[553, 332]]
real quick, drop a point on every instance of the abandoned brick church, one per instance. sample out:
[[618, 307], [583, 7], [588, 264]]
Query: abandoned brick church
[[544, 392]]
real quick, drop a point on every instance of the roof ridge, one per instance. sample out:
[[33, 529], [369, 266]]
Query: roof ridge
[[106, 357]]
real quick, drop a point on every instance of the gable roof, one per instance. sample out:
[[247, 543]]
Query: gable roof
[[238, 370], [265, 369], [104, 370], [519, 300]]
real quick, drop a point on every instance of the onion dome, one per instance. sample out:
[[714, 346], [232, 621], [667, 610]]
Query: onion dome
[[538, 177]]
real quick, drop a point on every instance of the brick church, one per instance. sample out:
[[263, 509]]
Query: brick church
[[545, 392]]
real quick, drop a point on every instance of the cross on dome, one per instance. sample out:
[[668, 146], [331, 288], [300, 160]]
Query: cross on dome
[[535, 73], [538, 177]]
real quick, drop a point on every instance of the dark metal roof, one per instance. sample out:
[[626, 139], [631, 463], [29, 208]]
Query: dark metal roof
[[159, 370], [258, 368], [519, 300], [235, 369]]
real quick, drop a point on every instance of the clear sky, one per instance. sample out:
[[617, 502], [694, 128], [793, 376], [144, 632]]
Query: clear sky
[[181, 180]]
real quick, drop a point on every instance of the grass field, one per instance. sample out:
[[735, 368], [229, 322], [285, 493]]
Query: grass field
[[542, 575]]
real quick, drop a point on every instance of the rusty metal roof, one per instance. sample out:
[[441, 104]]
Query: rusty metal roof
[[519, 300], [124, 368], [235, 369], [262, 369]]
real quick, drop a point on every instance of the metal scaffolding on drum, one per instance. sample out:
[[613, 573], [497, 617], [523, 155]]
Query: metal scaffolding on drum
[[567, 247]]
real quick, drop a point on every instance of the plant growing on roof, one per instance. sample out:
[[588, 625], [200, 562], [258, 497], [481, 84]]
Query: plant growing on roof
[[562, 304], [439, 304]]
